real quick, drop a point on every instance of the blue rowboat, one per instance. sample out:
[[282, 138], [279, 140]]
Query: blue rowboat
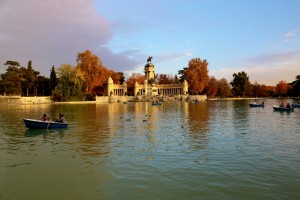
[[256, 105], [278, 108], [38, 124], [297, 105]]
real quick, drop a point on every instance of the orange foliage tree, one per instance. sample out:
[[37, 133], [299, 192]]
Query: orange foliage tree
[[165, 79], [197, 75], [94, 72], [282, 88], [224, 89], [135, 77], [212, 87]]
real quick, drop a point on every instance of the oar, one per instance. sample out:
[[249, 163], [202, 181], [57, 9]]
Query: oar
[[49, 123]]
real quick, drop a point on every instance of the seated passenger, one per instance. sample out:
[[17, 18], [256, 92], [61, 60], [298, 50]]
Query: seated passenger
[[61, 118], [45, 117], [288, 105]]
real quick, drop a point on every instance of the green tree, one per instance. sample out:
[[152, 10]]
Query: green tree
[[11, 79], [70, 84], [31, 77], [240, 83], [295, 90], [53, 79], [10, 63], [181, 74], [122, 77], [43, 88]]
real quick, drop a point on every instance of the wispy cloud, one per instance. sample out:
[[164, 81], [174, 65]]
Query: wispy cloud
[[290, 35], [265, 69], [273, 58], [173, 56]]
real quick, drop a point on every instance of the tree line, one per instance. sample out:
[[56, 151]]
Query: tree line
[[89, 78]]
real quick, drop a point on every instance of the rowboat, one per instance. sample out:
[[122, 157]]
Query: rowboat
[[296, 105], [278, 108], [256, 104], [156, 103], [38, 124]]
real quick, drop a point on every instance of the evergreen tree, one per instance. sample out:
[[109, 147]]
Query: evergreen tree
[[53, 79]]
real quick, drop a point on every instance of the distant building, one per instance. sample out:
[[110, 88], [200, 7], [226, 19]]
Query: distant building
[[149, 87]]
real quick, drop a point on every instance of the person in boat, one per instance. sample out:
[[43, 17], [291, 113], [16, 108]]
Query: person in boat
[[45, 117], [288, 105], [263, 103], [281, 105], [61, 118]]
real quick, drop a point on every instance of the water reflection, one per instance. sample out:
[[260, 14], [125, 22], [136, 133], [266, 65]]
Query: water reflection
[[44, 133], [240, 116], [196, 116]]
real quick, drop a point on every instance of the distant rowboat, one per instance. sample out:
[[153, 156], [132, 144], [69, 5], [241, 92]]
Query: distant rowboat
[[256, 104], [278, 108], [296, 105], [38, 124]]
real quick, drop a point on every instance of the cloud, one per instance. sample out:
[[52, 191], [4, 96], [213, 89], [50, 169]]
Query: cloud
[[173, 56], [283, 57], [290, 35], [266, 69], [53, 32]]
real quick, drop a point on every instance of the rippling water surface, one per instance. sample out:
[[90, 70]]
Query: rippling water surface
[[214, 150]]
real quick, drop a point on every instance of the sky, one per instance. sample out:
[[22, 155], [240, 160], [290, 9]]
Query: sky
[[260, 37]]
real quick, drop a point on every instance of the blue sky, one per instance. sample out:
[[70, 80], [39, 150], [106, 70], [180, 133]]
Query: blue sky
[[258, 37]]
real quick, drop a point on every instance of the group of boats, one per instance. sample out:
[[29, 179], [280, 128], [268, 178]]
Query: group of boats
[[40, 124], [277, 108]]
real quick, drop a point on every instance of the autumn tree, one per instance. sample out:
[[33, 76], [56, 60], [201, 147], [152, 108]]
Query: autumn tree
[[165, 79], [240, 83], [176, 79], [90, 65], [197, 75], [212, 87], [134, 78], [94, 72], [259, 90], [282, 88], [224, 89]]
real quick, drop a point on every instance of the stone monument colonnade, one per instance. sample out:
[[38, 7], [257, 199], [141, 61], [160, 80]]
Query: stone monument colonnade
[[149, 88]]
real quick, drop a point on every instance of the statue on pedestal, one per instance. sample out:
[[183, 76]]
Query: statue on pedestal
[[149, 59]]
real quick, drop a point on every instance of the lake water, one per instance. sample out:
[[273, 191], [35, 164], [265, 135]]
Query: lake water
[[178, 150]]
